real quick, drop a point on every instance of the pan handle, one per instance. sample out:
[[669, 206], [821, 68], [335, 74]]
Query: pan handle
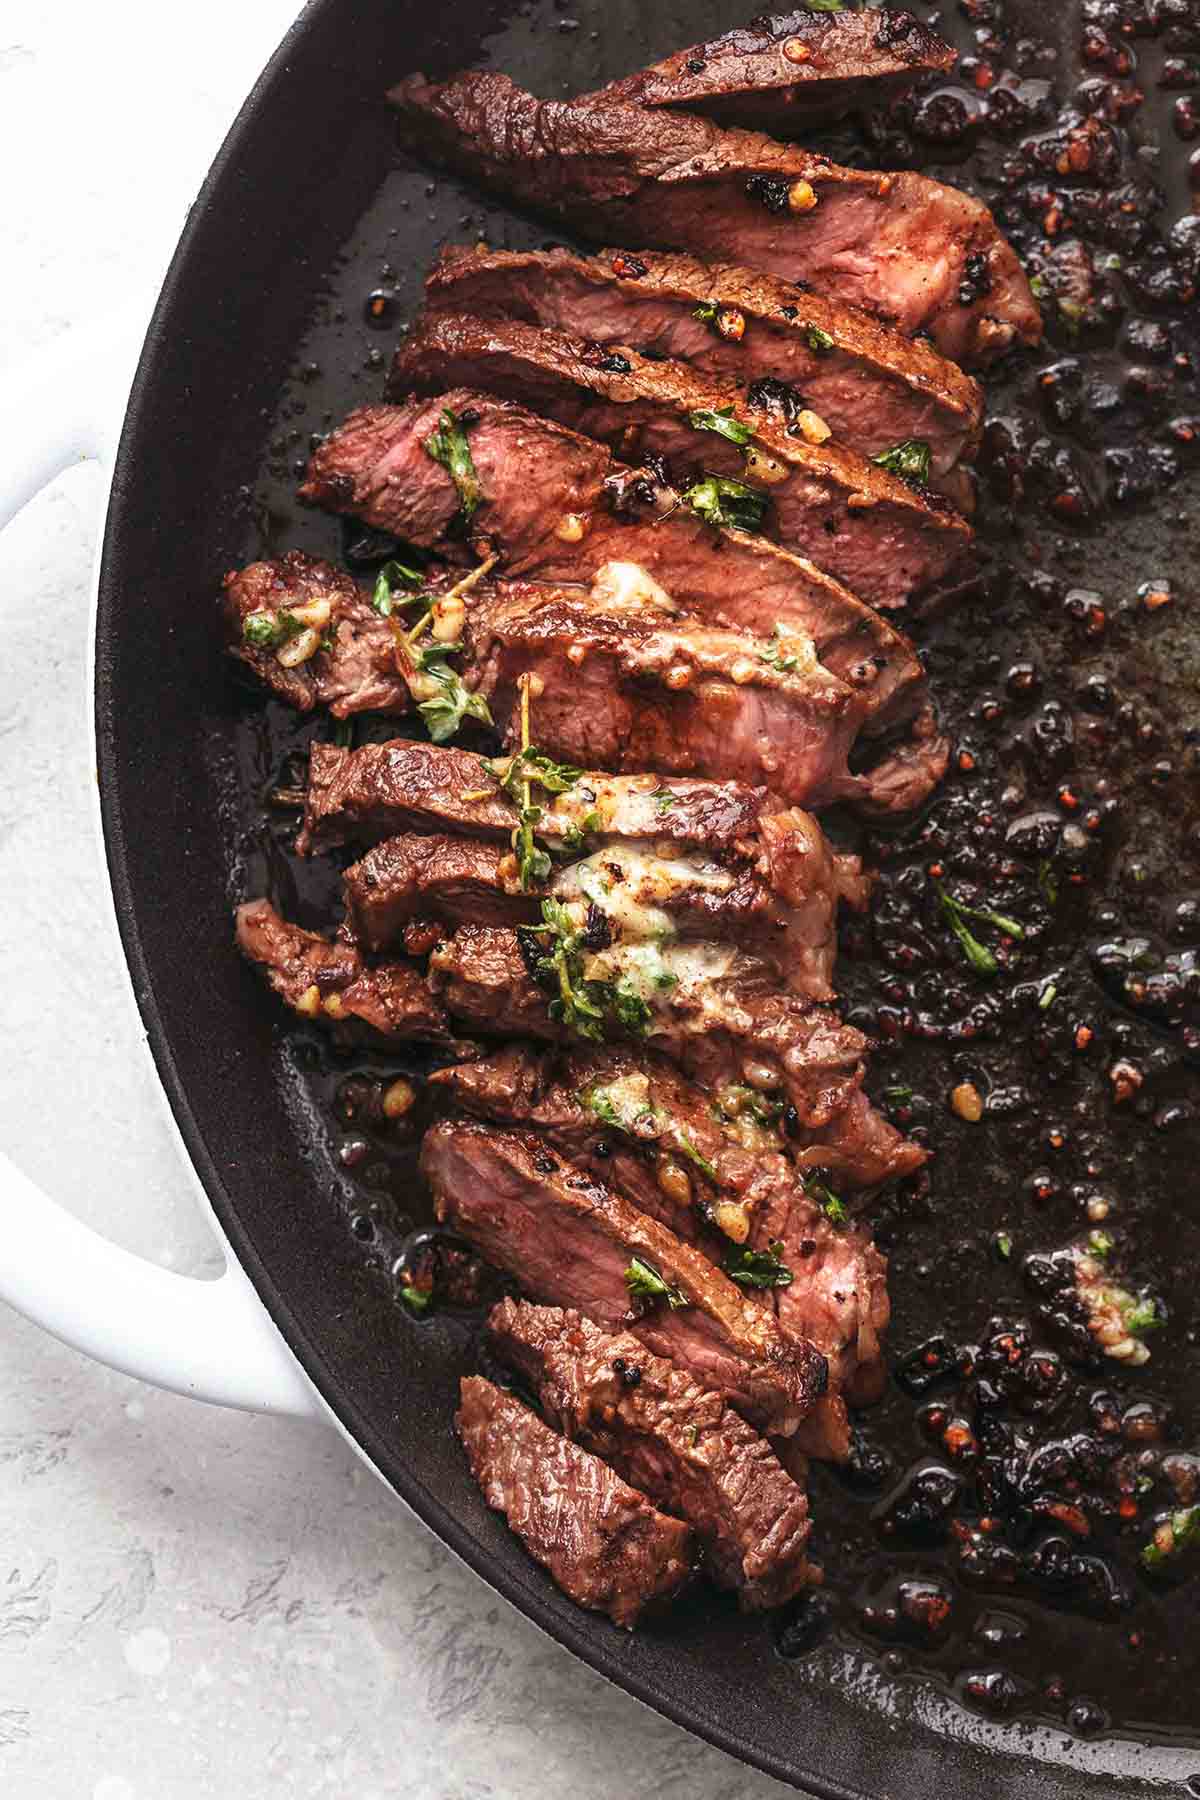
[[212, 1340]]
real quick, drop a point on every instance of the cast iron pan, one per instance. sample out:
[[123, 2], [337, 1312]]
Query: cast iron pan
[[258, 341]]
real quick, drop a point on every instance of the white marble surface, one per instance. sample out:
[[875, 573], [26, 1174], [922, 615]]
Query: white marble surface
[[192, 1603]]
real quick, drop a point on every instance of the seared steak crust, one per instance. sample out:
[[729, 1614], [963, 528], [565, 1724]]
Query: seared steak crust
[[604, 1543], [380, 790], [873, 387], [674, 1440], [865, 526], [353, 671], [457, 881], [593, 512], [895, 244], [330, 984], [570, 1241], [785, 72]]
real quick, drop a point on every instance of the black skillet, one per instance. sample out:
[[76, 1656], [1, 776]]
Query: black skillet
[[259, 340]]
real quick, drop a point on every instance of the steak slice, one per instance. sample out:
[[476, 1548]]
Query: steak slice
[[570, 1241], [380, 790], [873, 387], [865, 526], [727, 1143], [785, 72], [351, 665], [626, 690], [605, 1545], [921, 255], [330, 984], [356, 796], [777, 898], [671, 1438], [720, 1027], [456, 881], [592, 513]]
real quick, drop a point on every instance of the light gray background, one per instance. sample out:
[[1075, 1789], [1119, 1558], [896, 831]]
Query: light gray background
[[191, 1602]]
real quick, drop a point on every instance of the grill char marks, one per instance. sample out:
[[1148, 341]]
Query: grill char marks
[[678, 1443], [865, 526], [603, 1542], [895, 244], [873, 387], [786, 72], [355, 669], [569, 1240]]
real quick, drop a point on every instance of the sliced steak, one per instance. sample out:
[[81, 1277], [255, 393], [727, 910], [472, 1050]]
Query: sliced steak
[[593, 514], [356, 796], [456, 881], [671, 1438], [913, 251], [726, 1144], [776, 897], [871, 530], [329, 984], [605, 1545], [785, 72], [720, 1027], [624, 690], [873, 387], [379, 790], [296, 605], [570, 1241]]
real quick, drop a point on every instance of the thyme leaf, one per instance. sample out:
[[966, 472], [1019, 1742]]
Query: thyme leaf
[[722, 422], [645, 1283], [726, 504], [448, 446], [759, 1268]]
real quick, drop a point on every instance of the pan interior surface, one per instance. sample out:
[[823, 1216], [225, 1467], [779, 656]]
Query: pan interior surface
[[259, 342]]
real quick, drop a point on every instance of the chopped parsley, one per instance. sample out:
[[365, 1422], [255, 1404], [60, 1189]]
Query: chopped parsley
[[390, 582], [267, 630], [758, 1268], [685, 1144], [556, 958], [706, 313], [819, 342], [1004, 1245], [517, 775], [448, 446], [575, 838], [726, 504], [909, 460], [453, 701], [829, 1202], [1101, 1243], [1048, 882], [1142, 1315], [772, 653], [664, 799], [416, 1298], [645, 1283], [722, 422], [631, 1010], [958, 912], [1179, 1531]]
